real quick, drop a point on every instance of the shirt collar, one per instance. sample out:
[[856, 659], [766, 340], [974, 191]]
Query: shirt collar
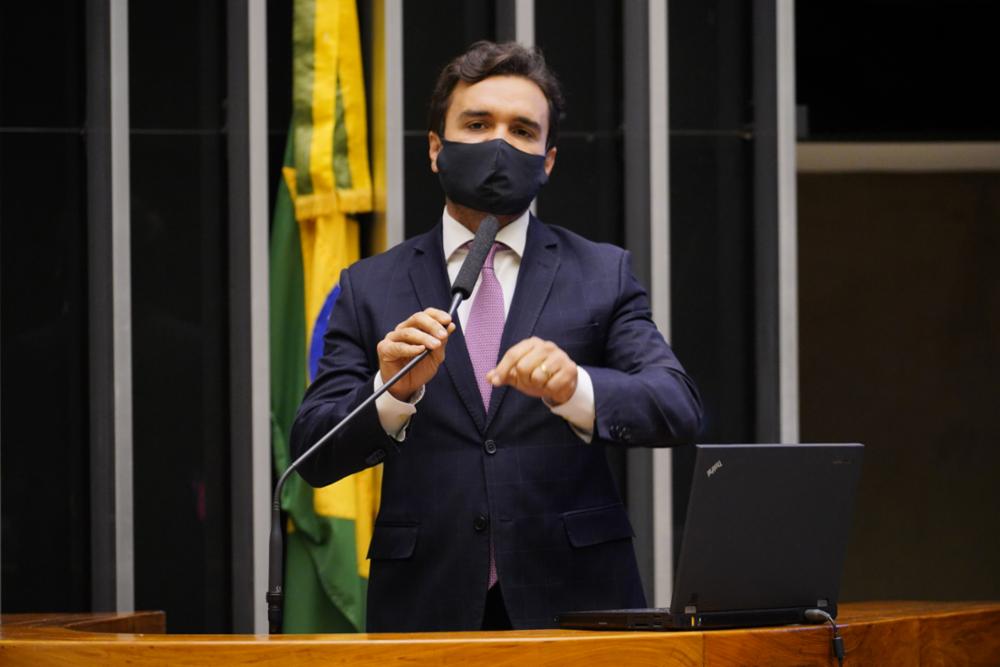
[[454, 234]]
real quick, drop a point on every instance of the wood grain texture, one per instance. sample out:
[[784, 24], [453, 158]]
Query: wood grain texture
[[885, 633], [969, 637], [599, 649]]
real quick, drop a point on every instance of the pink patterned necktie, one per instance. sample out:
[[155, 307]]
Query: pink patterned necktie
[[485, 326], [482, 338]]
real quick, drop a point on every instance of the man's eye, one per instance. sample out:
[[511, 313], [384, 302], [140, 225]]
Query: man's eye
[[476, 125], [522, 132]]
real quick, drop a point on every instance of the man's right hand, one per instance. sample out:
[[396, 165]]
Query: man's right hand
[[428, 329]]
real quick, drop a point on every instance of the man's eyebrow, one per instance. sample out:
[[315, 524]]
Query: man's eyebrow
[[533, 124], [475, 113], [523, 120]]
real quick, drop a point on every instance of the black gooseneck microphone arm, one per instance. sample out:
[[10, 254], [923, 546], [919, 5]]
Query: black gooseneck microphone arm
[[464, 283]]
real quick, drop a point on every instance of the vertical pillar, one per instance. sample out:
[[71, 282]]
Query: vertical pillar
[[788, 275], [387, 124], [775, 221], [249, 377], [659, 243], [110, 297], [647, 236]]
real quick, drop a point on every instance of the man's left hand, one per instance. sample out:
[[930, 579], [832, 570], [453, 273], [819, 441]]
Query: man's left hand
[[537, 368]]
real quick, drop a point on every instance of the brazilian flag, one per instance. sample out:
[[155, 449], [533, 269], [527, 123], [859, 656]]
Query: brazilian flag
[[325, 183]]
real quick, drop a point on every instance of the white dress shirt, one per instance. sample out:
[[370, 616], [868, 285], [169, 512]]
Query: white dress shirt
[[579, 411]]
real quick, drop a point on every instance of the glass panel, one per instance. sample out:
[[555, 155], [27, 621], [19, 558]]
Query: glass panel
[[42, 58], [180, 313], [894, 70], [46, 457], [583, 47]]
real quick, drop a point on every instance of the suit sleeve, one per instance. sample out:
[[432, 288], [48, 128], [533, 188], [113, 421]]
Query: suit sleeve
[[642, 395], [343, 381]]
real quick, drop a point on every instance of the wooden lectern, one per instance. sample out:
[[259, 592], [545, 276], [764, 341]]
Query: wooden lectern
[[875, 633]]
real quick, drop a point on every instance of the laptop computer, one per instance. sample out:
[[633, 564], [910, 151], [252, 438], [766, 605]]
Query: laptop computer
[[764, 540]]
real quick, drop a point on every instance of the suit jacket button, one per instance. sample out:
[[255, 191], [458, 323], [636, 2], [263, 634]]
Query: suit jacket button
[[490, 447], [480, 523]]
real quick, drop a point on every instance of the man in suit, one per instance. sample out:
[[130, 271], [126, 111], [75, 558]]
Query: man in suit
[[498, 508]]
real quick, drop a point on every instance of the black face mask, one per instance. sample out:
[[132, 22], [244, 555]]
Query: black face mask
[[490, 176]]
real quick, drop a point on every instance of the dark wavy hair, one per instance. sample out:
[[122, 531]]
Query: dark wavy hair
[[485, 59]]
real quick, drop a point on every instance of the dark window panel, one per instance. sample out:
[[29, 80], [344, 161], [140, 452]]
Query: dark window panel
[[180, 365], [435, 32], [180, 313], [584, 192], [177, 65], [424, 196], [582, 44], [279, 87], [711, 63], [42, 78], [46, 459], [712, 278], [893, 71]]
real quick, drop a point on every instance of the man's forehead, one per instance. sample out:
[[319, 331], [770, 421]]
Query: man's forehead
[[501, 94]]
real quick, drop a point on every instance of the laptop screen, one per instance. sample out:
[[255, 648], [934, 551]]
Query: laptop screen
[[766, 527]]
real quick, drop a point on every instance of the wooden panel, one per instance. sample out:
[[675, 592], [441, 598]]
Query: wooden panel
[[772, 647], [135, 622], [969, 638], [584, 648], [894, 642], [153, 622]]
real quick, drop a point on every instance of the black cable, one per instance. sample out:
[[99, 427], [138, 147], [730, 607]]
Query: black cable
[[820, 616]]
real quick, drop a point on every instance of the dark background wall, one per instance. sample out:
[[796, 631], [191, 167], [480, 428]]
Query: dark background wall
[[180, 308], [899, 291], [43, 240], [906, 71], [899, 327]]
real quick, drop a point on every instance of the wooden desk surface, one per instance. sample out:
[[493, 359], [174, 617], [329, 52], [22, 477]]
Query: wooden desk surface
[[875, 633]]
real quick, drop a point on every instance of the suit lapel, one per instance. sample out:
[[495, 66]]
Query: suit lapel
[[429, 275], [534, 281]]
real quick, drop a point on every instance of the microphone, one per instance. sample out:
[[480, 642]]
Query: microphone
[[464, 283], [473, 264]]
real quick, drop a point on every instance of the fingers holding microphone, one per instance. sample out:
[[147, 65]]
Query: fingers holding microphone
[[425, 330], [537, 368]]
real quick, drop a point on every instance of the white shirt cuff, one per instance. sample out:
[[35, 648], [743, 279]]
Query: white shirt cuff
[[579, 410], [394, 414]]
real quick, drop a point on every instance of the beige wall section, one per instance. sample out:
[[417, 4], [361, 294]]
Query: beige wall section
[[899, 296], [897, 157]]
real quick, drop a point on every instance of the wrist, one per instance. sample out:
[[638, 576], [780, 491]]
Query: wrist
[[403, 394], [556, 400]]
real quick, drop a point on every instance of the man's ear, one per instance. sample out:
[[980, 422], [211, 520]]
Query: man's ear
[[433, 148], [550, 160]]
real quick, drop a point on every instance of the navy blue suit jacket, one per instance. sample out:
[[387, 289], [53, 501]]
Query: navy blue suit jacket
[[562, 538]]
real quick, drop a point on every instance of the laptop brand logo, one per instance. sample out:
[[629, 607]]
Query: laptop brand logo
[[715, 466]]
